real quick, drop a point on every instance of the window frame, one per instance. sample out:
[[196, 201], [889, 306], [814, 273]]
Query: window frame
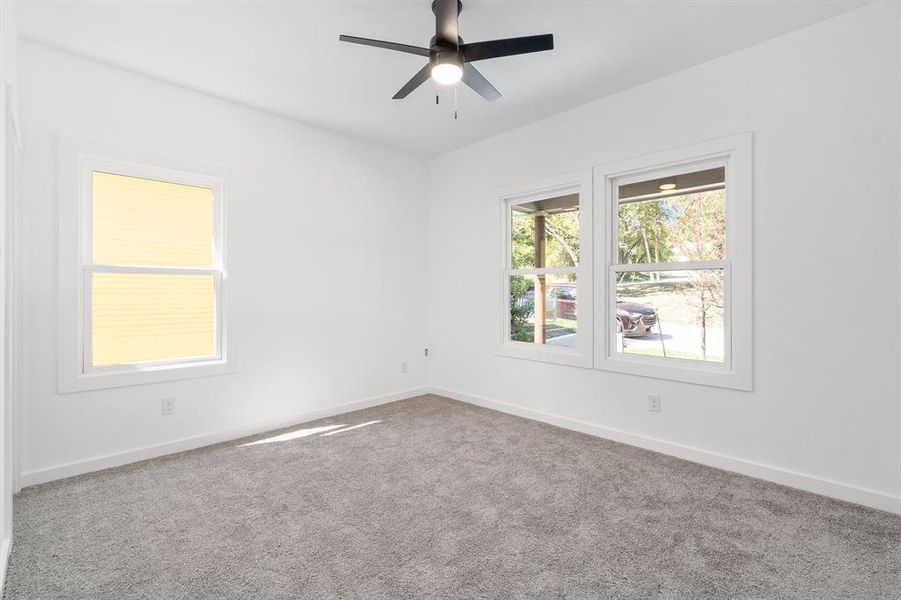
[[78, 161], [578, 182], [734, 153]]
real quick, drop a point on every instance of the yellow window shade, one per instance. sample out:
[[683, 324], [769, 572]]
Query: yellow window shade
[[149, 317], [139, 221]]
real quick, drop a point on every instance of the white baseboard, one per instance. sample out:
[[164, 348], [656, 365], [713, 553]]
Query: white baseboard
[[810, 483], [801, 481], [5, 549], [123, 458]]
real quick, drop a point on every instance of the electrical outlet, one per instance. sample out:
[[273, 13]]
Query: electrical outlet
[[654, 403], [403, 367], [425, 352], [167, 406]]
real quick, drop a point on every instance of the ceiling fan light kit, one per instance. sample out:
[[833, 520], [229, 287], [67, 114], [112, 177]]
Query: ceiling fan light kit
[[447, 73], [450, 59]]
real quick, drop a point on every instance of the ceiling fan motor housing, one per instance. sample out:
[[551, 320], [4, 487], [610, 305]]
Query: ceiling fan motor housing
[[442, 55]]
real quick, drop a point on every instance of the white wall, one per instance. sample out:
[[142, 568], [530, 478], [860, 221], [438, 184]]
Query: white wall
[[8, 169], [326, 250], [823, 104]]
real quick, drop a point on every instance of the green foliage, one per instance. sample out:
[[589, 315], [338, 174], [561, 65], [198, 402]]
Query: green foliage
[[561, 245], [521, 308], [522, 236], [644, 235], [522, 333], [700, 228], [690, 227]]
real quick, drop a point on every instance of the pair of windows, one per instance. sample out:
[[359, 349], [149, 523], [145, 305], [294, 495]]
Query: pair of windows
[[142, 273], [640, 267]]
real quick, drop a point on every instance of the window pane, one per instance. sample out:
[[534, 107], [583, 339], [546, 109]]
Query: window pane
[[558, 328], [141, 317], [145, 222], [676, 314], [545, 233], [685, 222]]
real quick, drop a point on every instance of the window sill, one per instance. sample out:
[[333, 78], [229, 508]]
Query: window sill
[[709, 374], [560, 356], [104, 379]]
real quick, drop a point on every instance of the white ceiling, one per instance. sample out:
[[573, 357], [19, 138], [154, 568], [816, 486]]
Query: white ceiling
[[284, 56]]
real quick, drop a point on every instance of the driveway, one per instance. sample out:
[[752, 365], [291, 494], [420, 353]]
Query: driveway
[[677, 338]]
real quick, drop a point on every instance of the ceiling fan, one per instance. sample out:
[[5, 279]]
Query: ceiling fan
[[450, 59]]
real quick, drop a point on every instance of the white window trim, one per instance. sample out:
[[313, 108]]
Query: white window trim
[[574, 182], [736, 372], [77, 160]]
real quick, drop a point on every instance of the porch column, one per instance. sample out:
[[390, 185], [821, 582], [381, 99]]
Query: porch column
[[541, 285]]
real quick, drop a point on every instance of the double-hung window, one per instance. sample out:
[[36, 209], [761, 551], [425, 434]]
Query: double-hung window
[[546, 273], [676, 248], [146, 300]]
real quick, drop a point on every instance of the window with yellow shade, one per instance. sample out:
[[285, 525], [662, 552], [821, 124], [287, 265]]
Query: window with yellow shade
[[153, 273]]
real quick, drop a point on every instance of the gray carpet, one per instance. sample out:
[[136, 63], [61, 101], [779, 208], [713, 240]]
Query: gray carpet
[[439, 499]]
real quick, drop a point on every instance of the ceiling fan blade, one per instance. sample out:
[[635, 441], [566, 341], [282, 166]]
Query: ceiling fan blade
[[479, 84], [386, 45], [416, 81], [446, 16], [507, 47]]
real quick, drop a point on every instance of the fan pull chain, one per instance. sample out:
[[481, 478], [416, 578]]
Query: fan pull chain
[[458, 52]]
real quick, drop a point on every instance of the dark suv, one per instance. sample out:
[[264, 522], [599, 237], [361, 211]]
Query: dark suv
[[634, 319]]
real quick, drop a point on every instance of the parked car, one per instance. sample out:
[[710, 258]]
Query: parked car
[[564, 291], [634, 319]]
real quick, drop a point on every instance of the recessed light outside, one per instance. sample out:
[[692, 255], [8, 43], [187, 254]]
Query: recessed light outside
[[665, 187]]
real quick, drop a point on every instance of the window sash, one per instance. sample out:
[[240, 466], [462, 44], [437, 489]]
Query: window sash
[[671, 171], [670, 266], [541, 194], [151, 270], [89, 165], [508, 334], [545, 271], [88, 367], [725, 366]]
